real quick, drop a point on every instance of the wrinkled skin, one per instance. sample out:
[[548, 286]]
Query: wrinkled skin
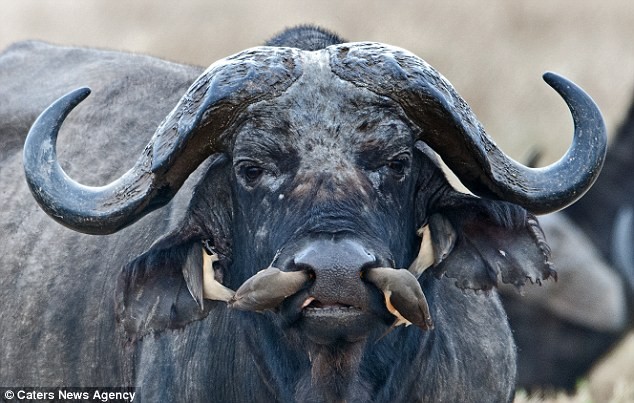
[[327, 178]]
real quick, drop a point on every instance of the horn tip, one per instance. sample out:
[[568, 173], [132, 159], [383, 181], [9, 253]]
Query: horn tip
[[555, 80], [78, 95]]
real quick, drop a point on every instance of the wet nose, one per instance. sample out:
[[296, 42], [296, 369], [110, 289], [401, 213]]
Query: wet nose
[[336, 266]]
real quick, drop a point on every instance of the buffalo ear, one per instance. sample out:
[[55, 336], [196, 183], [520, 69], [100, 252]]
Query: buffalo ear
[[165, 287], [492, 241], [153, 293]]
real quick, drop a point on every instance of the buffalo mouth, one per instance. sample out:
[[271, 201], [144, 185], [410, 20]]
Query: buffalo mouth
[[335, 291], [337, 309], [329, 322]]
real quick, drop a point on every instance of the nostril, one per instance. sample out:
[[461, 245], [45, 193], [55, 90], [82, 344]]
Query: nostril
[[376, 263], [364, 270], [298, 266]]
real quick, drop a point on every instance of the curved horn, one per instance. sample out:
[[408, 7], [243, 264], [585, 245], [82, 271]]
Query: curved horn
[[195, 129], [449, 126]]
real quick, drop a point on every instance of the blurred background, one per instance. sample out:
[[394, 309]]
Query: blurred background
[[494, 52]]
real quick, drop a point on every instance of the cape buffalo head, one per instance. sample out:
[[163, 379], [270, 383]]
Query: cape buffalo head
[[322, 171]]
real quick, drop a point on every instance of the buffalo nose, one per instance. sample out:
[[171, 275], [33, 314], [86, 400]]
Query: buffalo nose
[[336, 266]]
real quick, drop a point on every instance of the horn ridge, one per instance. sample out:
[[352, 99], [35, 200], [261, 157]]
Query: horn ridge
[[51, 186], [566, 180], [450, 128], [195, 129]]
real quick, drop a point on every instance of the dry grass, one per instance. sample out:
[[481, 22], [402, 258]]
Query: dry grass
[[492, 51]]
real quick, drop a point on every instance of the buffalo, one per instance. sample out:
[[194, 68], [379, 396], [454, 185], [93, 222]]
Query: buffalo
[[305, 175]]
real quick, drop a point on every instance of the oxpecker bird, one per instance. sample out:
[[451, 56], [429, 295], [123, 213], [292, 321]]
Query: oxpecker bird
[[404, 297], [212, 289], [200, 276], [267, 289]]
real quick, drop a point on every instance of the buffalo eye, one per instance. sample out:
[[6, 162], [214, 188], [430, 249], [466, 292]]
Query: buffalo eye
[[398, 166], [250, 173]]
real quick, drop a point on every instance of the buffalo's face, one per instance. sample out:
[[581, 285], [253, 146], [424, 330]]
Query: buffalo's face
[[329, 185], [324, 181]]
